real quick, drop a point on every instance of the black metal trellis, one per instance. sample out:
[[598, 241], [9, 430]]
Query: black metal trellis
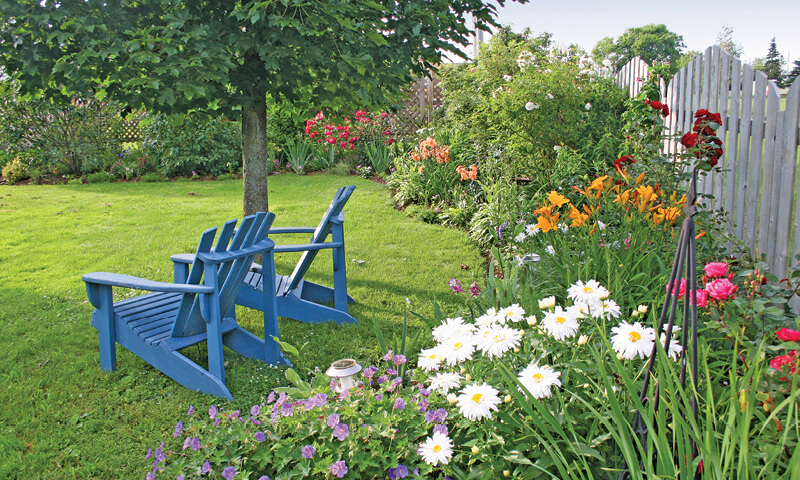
[[685, 261]]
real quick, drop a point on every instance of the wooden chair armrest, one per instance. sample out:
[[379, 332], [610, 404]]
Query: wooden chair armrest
[[129, 281]]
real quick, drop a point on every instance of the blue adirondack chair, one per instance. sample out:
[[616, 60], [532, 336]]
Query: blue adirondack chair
[[298, 298], [155, 326]]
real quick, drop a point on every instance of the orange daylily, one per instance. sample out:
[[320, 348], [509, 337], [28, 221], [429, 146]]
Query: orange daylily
[[578, 218], [546, 222], [556, 199]]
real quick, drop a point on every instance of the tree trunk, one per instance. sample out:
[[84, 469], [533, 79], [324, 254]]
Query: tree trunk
[[254, 156]]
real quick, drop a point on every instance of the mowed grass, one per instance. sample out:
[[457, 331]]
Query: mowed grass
[[63, 417]]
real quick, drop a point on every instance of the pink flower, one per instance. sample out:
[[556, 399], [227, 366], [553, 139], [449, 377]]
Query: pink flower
[[681, 289], [702, 298], [789, 361], [716, 269], [721, 289], [788, 335]]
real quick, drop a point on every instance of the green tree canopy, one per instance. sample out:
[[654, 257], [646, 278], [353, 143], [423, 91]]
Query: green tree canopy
[[726, 42], [792, 76], [223, 57], [653, 43], [773, 64]]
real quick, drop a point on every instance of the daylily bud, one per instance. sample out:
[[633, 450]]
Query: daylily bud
[[582, 340], [476, 450], [507, 399]]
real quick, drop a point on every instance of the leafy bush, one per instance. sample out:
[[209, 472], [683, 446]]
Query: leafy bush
[[15, 171], [298, 154], [182, 144], [75, 138], [99, 177], [154, 177]]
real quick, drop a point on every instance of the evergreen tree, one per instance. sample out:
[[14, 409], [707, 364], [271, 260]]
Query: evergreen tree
[[793, 74], [773, 65]]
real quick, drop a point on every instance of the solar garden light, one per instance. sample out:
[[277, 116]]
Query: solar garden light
[[344, 374]]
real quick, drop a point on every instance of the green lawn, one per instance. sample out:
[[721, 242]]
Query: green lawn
[[63, 417]]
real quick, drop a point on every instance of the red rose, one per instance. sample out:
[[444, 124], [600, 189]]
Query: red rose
[[715, 117], [665, 111], [789, 361], [656, 105], [701, 113], [721, 288], [689, 140], [622, 161], [788, 335]]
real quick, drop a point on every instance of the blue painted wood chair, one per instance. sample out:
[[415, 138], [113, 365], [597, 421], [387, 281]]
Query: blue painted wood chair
[[155, 326], [296, 297]]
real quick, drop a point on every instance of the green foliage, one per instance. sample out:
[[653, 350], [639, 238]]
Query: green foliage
[[180, 145], [75, 137], [99, 177], [379, 156], [154, 177], [652, 43], [298, 154], [773, 64], [15, 171]]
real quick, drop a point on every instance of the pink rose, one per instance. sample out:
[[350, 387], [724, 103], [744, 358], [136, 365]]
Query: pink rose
[[788, 335], [702, 298], [721, 289], [789, 361], [681, 289], [716, 269]]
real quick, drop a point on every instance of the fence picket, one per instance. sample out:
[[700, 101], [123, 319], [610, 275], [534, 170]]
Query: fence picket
[[765, 216], [737, 175]]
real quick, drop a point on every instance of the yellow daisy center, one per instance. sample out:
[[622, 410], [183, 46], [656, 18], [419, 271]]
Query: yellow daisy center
[[477, 398], [458, 345], [588, 289], [433, 356], [561, 319], [436, 449], [499, 337], [635, 336], [537, 377]]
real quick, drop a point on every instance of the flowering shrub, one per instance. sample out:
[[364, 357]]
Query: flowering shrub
[[702, 142], [350, 138]]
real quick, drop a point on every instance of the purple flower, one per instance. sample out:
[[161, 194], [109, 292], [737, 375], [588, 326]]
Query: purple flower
[[440, 415], [181, 477], [474, 289], [178, 428], [212, 412], [234, 415], [264, 477], [270, 397], [423, 405], [382, 379], [341, 431], [195, 444], [216, 422], [255, 410], [424, 392], [441, 428], [260, 436], [370, 371], [399, 404], [206, 467], [191, 410], [149, 453], [455, 285], [430, 416], [282, 397], [317, 400], [228, 473], [339, 469], [307, 451], [400, 472], [379, 397], [160, 457], [333, 420], [399, 360], [187, 443], [287, 409], [150, 476], [388, 356]]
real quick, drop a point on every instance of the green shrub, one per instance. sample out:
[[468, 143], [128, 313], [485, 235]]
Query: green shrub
[[36, 176], [226, 176], [154, 177], [99, 177], [182, 144], [15, 171], [342, 168]]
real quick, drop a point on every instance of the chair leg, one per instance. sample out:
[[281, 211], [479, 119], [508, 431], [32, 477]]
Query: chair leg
[[216, 360], [272, 350], [106, 328], [339, 271]]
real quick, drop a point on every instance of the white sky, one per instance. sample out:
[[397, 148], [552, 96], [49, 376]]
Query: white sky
[[585, 22]]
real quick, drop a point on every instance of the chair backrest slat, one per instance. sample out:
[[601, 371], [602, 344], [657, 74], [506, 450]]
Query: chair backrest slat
[[230, 274], [320, 234]]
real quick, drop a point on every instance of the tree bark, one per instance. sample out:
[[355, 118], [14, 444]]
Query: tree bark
[[254, 156]]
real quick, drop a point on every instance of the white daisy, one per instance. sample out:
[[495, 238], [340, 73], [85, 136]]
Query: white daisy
[[507, 78], [451, 327], [550, 96], [514, 313], [436, 449], [632, 340], [477, 401], [548, 302], [550, 250], [488, 318], [675, 347], [610, 307], [531, 229], [444, 382], [561, 324], [520, 237], [429, 359], [457, 349], [588, 106], [590, 292], [498, 341], [538, 380]]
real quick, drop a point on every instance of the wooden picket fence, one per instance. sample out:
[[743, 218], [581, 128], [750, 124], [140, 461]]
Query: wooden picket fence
[[758, 183]]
